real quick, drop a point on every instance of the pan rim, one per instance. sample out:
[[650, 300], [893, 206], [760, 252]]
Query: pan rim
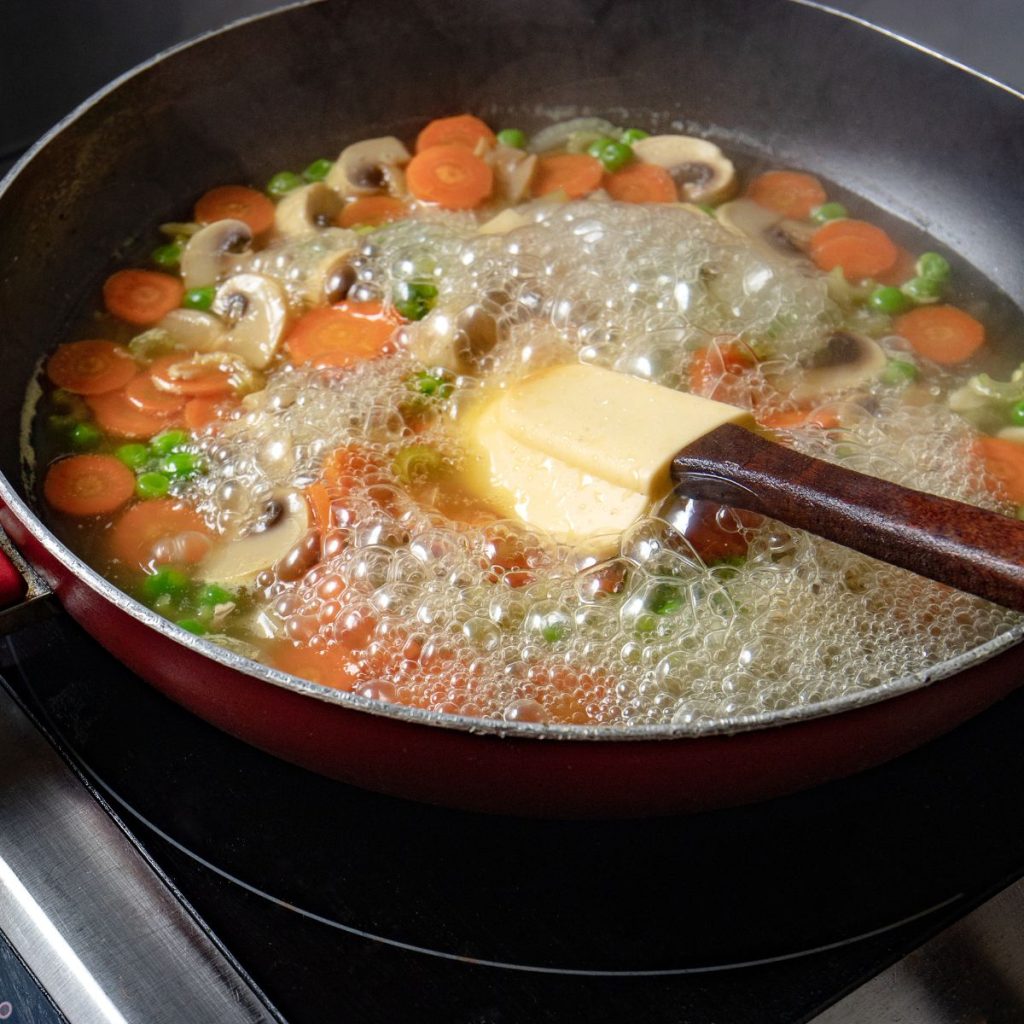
[[11, 497]]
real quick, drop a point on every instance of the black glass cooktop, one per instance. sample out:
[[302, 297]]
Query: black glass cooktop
[[333, 898]]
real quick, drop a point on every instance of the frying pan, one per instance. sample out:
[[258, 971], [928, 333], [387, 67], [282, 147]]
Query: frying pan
[[777, 82]]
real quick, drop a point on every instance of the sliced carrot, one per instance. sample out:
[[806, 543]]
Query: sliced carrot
[[794, 419], [88, 485], [205, 382], [861, 249], [133, 537], [1004, 461], [791, 193], [199, 413], [142, 297], [943, 334], [319, 500], [641, 183], [450, 176], [717, 370], [91, 367], [148, 398], [901, 271], [117, 416], [372, 210], [575, 174], [461, 130], [334, 666], [236, 202], [342, 334]]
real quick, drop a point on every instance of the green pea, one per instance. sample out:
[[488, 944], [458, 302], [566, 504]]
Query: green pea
[[922, 290], [152, 485], [613, 155], [665, 599], [181, 464], [283, 182], [512, 137], [167, 256], [553, 633], [889, 300], [194, 626], [898, 372], [134, 456], [414, 299], [212, 595], [85, 435], [1016, 414], [165, 443], [427, 382], [828, 211], [165, 582], [199, 298], [417, 462], [933, 267], [631, 135], [318, 170]]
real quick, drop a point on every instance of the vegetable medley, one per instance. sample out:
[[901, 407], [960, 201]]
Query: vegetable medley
[[267, 433]]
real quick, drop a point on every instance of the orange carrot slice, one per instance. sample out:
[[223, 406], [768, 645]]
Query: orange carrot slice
[[716, 371], [575, 174], [372, 210], [236, 202], [148, 398], [641, 183], [133, 537], [461, 130], [199, 413], [117, 416], [1004, 461], [861, 249], [335, 667], [791, 193], [142, 297], [91, 367], [204, 382], [88, 485], [450, 176], [943, 334], [342, 334], [794, 419]]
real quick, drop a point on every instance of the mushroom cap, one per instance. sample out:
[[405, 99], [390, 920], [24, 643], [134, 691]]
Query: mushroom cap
[[239, 561], [194, 329], [846, 360], [256, 311], [214, 251], [331, 278], [306, 209], [771, 232], [701, 171], [370, 166]]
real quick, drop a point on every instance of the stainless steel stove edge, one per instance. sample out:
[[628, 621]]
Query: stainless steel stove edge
[[100, 930]]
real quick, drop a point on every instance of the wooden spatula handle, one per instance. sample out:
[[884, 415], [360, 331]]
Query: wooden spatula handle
[[969, 548]]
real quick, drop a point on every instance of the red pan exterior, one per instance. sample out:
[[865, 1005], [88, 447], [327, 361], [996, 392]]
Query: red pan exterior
[[100, 178], [553, 778]]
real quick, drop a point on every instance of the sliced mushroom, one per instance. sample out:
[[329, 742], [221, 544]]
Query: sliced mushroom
[[845, 361], [256, 311], [242, 559], [455, 341], [194, 329], [701, 171], [215, 251], [771, 233], [373, 165], [306, 209], [331, 278], [513, 171]]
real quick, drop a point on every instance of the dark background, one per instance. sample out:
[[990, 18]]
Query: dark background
[[54, 53]]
